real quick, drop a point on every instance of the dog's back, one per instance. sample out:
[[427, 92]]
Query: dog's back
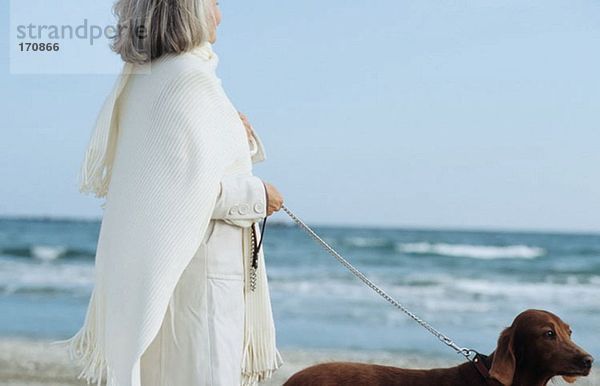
[[333, 374], [358, 374]]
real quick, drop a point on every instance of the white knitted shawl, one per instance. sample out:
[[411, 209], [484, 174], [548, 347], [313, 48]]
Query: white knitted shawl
[[161, 182]]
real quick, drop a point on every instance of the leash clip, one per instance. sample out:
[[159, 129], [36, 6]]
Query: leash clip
[[470, 354]]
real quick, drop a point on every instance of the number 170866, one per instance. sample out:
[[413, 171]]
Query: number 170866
[[39, 47]]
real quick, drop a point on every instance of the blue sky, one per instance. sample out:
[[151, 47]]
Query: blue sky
[[470, 114]]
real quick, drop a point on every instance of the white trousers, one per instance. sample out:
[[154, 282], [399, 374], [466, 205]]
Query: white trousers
[[200, 342]]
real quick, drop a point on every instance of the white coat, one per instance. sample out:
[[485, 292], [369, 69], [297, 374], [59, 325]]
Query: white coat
[[200, 342]]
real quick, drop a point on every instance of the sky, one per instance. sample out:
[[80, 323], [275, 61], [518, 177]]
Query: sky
[[429, 114]]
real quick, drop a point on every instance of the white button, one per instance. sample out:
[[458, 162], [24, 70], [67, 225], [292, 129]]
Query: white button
[[243, 209], [233, 210], [259, 207]]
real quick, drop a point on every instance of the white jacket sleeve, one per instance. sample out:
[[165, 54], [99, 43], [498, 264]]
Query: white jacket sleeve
[[242, 201]]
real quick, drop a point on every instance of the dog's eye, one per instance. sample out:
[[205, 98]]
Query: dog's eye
[[550, 334]]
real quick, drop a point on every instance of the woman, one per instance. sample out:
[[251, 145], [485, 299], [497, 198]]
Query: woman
[[181, 295]]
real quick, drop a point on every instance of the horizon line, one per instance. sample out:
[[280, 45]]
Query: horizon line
[[404, 227]]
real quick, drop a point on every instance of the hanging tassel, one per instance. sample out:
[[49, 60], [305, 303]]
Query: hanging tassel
[[260, 357]]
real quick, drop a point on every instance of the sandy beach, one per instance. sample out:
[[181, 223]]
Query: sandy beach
[[36, 363]]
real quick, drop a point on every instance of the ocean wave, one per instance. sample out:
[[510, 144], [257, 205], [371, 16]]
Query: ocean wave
[[46, 252], [487, 252], [559, 294], [367, 242], [450, 297], [20, 276]]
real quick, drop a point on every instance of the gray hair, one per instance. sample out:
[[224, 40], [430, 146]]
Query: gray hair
[[148, 29]]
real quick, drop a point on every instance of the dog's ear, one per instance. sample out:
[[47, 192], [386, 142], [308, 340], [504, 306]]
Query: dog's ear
[[504, 362], [569, 379]]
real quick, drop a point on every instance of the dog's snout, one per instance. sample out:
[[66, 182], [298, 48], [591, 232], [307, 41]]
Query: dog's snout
[[587, 361]]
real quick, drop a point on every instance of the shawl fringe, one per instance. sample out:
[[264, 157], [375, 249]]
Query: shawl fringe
[[83, 347], [96, 170]]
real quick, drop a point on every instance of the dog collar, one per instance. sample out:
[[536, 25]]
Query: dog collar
[[479, 363]]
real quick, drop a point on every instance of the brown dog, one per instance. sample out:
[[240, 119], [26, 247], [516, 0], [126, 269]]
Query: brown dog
[[534, 349]]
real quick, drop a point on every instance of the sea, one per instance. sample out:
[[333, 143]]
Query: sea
[[467, 284]]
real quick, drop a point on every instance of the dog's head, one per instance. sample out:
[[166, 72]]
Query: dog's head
[[539, 342]]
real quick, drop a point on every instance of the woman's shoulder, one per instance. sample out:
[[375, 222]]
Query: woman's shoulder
[[181, 74], [173, 66]]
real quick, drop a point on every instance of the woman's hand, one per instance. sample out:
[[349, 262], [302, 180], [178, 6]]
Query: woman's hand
[[275, 199], [247, 125]]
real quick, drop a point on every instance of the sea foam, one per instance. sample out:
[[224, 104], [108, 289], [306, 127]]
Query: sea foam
[[487, 252], [47, 252]]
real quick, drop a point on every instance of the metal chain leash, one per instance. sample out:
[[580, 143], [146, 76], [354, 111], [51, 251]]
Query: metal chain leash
[[466, 352]]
